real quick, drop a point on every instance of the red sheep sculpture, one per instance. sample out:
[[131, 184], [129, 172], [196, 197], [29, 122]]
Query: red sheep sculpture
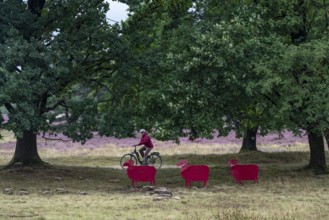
[[194, 173], [241, 172], [140, 173]]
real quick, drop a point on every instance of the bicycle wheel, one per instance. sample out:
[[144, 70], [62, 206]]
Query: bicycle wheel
[[154, 160], [126, 157]]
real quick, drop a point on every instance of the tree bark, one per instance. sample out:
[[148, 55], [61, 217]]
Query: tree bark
[[249, 140], [26, 152], [326, 136], [317, 153], [36, 6]]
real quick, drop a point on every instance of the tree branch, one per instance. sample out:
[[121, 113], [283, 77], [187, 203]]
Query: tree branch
[[53, 139], [59, 103], [9, 107], [36, 6]]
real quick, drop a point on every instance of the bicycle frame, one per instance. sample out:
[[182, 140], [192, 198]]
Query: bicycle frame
[[153, 159], [135, 152], [138, 156]]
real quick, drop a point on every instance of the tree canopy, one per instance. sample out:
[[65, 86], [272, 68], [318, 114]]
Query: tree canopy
[[232, 65], [50, 55], [174, 67]]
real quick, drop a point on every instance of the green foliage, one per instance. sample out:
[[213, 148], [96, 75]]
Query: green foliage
[[47, 64], [295, 80], [135, 85], [205, 84], [225, 65], [302, 93]]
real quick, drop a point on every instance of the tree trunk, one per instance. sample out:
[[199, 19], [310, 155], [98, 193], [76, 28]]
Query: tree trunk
[[317, 153], [249, 140], [326, 136], [26, 152]]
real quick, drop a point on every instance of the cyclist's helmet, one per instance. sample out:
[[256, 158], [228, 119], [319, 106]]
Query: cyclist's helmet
[[142, 131]]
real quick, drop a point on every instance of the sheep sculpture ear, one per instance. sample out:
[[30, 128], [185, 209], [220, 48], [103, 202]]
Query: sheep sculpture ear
[[128, 163], [182, 163], [232, 163]]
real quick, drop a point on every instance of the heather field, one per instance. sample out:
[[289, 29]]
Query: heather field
[[52, 148], [85, 182]]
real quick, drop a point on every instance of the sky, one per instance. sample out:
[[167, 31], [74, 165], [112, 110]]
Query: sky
[[118, 11]]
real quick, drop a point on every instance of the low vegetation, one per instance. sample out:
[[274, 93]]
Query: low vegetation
[[86, 183]]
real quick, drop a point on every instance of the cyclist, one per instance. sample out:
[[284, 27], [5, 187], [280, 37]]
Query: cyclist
[[148, 145]]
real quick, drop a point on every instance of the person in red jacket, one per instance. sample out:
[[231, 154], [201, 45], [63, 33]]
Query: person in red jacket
[[147, 145]]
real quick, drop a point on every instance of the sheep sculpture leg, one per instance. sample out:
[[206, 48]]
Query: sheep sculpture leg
[[205, 183]]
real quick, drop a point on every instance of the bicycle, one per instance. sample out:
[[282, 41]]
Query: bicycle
[[153, 159]]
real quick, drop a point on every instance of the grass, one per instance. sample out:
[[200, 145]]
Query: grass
[[86, 184]]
